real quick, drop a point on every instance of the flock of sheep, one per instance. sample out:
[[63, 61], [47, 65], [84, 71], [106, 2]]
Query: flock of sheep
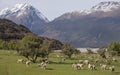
[[77, 66], [42, 64], [82, 63]]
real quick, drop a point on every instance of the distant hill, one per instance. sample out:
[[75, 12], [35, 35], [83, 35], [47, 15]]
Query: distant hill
[[10, 30]]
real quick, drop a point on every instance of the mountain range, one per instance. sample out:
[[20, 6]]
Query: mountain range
[[95, 27]]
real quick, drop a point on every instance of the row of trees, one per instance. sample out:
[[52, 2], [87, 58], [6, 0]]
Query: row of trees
[[32, 47], [9, 45]]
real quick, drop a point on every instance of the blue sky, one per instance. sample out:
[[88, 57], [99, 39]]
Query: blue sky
[[54, 8]]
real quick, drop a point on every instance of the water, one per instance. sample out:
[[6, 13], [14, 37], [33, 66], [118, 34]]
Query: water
[[85, 49]]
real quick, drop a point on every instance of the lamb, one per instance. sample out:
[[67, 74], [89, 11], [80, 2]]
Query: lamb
[[91, 67], [112, 68], [114, 59], [75, 66], [20, 61], [28, 62], [86, 62], [103, 66], [42, 65], [80, 66]]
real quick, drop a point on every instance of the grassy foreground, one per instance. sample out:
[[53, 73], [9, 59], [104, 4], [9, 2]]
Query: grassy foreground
[[9, 66]]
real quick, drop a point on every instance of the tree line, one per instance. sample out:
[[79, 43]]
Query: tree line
[[32, 47]]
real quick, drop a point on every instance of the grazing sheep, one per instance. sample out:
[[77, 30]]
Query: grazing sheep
[[86, 62], [91, 67], [112, 68], [80, 66], [75, 66], [103, 66], [113, 59], [42, 65], [28, 62], [20, 61]]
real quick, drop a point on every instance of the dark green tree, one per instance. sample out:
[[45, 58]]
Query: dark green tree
[[30, 47], [102, 52], [114, 48], [46, 48], [69, 50]]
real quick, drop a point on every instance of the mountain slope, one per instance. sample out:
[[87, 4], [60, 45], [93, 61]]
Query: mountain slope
[[26, 15], [10, 30], [95, 27]]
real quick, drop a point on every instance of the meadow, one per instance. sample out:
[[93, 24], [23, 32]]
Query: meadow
[[9, 65]]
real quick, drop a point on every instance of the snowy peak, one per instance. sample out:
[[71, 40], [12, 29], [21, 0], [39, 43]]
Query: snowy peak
[[4, 11], [106, 6], [18, 7], [21, 10], [22, 5]]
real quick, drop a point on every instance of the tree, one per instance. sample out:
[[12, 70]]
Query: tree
[[114, 47], [68, 50], [102, 52], [89, 51], [30, 47], [33, 47], [46, 48]]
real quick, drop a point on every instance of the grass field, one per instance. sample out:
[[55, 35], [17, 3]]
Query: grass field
[[9, 66]]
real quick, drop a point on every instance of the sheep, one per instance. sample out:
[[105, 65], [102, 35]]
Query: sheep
[[112, 68], [86, 62], [91, 67], [80, 66], [20, 61], [28, 62], [113, 59], [75, 66], [42, 65], [103, 66]]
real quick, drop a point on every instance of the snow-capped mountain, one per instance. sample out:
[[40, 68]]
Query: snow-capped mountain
[[96, 9], [96, 27], [25, 14], [106, 6]]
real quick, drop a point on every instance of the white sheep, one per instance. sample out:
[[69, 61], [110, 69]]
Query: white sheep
[[91, 67], [80, 66], [75, 66], [103, 66], [112, 68], [28, 62], [20, 61], [113, 59], [86, 62], [42, 65]]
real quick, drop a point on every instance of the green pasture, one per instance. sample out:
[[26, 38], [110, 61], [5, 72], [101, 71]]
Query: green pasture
[[9, 66]]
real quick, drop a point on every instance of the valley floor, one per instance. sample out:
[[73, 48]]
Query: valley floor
[[9, 66]]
